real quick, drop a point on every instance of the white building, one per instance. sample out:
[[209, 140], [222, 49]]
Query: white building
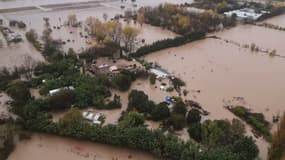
[[245, 13], [160, 73], [54, 91], [94, 117]]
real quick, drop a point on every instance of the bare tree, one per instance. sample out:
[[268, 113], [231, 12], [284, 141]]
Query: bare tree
[[29, 65]]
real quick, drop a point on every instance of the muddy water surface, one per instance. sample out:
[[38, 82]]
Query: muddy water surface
[[264, 38], [278, 20], [222, 72], [46, 147]]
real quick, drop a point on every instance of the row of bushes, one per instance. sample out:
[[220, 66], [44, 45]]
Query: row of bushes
[[153, 141], [256, 120], [168, 43], [32, 37]]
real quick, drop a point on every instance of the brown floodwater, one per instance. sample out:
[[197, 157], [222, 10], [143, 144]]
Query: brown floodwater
[[265, 38], [278, 20], [222, 72], [13, 55], [46, 147]]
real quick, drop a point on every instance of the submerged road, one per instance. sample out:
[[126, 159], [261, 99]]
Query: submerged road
[[71, 4]]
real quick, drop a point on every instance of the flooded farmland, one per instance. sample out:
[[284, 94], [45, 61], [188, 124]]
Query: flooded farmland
[[278, 20], [264, 38], [223, 72], [46, 147]]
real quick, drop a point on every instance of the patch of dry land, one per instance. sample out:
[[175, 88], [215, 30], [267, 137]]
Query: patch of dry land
[[47, 147]]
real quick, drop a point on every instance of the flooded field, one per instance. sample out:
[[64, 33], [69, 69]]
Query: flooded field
[[223, 72], [46, 147], [264, 38], [71, 35], [15, 54], [278, 20]]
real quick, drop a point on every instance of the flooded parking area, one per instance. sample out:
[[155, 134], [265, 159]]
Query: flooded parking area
[[46, 147]]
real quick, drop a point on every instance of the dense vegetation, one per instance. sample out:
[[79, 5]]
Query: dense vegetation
[[256, 120], [179, 20], [221, 140], [277, 149], [168, 43], [32, 37], [273, 12]]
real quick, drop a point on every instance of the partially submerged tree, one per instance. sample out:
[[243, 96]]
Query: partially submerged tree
[[277, 148], [129, 35]]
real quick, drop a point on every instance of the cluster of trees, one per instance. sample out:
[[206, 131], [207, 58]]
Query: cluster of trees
[[108, 50], [7, 135], [219, 6], [122, 81], [51, 49], [33, 115], [139, 101], [181, 21], [273, 11], [256, 120], [277, 149], [175, 119], [32, 37], [130, 133], [113, 31], [168, 43]]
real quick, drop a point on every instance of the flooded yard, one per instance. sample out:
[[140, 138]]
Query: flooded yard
[[46, 147], [113, 115]]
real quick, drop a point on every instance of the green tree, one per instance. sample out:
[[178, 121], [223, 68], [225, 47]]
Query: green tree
[[177, 121], [139, 101], [19, 91], [122, 82], [62, 100], [194, 116], [277, 148], [180, 108], [132, 119], [160, 112], [195, 131], [152, 79], [71, 117], [246, 148]]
